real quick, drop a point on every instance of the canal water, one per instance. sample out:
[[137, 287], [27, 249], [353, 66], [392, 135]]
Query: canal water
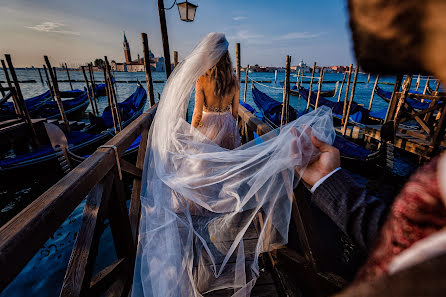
[[44, 274]]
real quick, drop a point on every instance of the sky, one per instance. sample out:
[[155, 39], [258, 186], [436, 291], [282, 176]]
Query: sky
[[79, 31]]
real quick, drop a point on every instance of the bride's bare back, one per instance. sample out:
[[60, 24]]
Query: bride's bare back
[[205, 99]]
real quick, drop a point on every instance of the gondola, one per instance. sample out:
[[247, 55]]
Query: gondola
[[129, 110], [415, 104], [73, 108], [45, 156], [99, 90], [41, 106], [78, 142], [350, 151], [32, 104], [358, 114]]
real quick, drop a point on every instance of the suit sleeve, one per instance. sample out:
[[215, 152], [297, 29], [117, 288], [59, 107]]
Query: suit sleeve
[[358, 214]]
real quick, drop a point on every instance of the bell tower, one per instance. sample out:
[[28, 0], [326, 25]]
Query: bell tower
[[128, 57]]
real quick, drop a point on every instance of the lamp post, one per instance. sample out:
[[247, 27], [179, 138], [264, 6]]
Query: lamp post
[[187, 13]]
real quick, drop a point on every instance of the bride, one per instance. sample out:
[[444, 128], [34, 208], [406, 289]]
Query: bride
[[217, 95], [187, 167]]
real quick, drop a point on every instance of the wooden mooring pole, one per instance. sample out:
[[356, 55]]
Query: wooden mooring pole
[[286, 93], [1, 89], [48, 82], [418, 82], [237, 61], [352, 96], [246, 82], [68, 75], [393, 100], [373, 92], [164, 37], [55, 76], [57, 94], [20, 101], [342, 86], [93, 86], [319, 89], [368, 79], [113, 97], [149, 82], [110, 101], [426, 86], [275, 77], [175, 58], [437, 87], [298, 77], [401, 100], [344, 109], [40, 74], [16, 104], [311, 86], [88, 91]]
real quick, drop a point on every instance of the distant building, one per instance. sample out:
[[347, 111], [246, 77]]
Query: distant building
[[156, 64], [339, 68], [304, 67]]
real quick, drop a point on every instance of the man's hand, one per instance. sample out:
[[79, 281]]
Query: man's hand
[[328, 161]]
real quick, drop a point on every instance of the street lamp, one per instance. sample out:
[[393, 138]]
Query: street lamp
[[187, 11]]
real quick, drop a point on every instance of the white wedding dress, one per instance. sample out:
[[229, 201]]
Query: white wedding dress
[[199, 199]]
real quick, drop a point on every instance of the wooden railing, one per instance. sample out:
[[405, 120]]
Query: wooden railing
[[97, 178]]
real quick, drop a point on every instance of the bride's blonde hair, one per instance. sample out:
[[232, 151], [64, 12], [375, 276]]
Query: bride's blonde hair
[[223, 75]]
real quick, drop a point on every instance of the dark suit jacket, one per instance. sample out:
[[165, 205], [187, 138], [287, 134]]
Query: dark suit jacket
[[358, 214]]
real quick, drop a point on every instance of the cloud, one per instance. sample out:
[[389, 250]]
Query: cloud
[[239, 18], [52, 27], [298, 35], [249, 37]]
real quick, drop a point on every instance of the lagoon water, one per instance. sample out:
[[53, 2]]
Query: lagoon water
[[44, 274]]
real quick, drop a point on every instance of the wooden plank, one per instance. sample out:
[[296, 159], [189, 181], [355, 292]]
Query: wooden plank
[[106, 277], [119, 221], [24, 234], [130, 168], [135, 202], [253, 123], [121, 231], [78, 273]]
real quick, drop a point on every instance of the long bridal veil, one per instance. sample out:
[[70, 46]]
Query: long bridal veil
[[199, 201]]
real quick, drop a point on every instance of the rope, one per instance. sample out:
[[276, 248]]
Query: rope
[[264, 84], [115, 149], [314, 77]]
